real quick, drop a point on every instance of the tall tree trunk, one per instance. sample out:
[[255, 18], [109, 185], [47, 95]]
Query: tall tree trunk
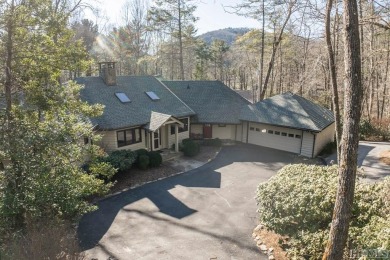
[[262, 50], [385, 79], [350, 138], [274, 49], [333, 75], [180, 41]]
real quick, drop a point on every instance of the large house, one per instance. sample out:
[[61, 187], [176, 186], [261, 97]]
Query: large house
[[144, 112]]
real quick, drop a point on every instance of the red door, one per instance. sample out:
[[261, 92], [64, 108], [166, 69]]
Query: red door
[[207, 131]]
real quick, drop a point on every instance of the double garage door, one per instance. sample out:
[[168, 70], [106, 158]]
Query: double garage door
[[284, 139]]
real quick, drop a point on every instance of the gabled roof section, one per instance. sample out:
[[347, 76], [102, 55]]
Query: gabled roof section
[[289, 110], [158, 119], [212, 101], [247, 94], [119, 115]]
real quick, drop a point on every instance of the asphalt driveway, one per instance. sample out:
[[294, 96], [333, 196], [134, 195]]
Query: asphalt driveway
[[206, 213], [368, 160]]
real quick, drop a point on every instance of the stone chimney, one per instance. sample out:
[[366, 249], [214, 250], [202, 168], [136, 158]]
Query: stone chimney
[[107, 72]]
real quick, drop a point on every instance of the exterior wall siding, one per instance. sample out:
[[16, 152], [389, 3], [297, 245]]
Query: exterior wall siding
[[197, 129], [109, 142], [307, 144], [225, 132], [323, 138], [239, 133], [259, 134], [244, 132], [182, 135]]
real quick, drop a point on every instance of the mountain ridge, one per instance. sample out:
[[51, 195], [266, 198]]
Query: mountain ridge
[[227, 35]]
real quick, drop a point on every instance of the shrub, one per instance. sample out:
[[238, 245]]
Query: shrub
[[212, 142], [377, 130], [143, 162], [140, 152], [299, 201], [102, 170], [329, 148], [121, 160], [186, 140], [190, 148], [366, 128], [155, 159]]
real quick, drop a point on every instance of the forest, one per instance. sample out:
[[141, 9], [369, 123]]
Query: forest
[[335, 53], [288, 53]]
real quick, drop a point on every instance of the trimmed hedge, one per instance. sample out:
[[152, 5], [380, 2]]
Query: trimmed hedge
[[155, 159], [190, 147], [143, 161]]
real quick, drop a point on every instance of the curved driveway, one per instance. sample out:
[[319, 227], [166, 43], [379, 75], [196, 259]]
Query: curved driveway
[[206, 213]]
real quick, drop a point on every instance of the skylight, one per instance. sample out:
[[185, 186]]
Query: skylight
[[152, 95], [122, 97]]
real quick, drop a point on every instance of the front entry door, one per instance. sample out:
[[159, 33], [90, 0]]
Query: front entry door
[[156, 139], [207, 131]]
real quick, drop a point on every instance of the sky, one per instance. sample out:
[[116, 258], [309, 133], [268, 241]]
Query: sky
[[211, 13]]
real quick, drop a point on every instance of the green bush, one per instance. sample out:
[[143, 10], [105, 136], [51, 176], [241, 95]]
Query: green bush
[[366, 128], [378, 130], [143, 161], [102, 170], [329, 148], [186, 140], [155, 159], [299, 201], [140, 152], [121, 160], [190, 148], [212, 142]]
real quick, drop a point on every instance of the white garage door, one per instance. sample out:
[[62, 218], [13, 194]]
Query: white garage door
[[275, 137]]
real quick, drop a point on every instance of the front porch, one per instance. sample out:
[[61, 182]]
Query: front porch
[[163, 132]]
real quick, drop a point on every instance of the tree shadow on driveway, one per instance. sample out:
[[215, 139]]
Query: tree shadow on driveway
[[93, 226]]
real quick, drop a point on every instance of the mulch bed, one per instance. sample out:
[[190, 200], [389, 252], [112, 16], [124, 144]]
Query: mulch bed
[[271, 239]]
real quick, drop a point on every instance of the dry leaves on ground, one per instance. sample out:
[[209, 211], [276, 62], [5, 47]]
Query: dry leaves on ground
[[385, 157], [271, 239]]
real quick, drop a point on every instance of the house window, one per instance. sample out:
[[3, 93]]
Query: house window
[[181, 129], [252, 129], [284, 134], [264, 130], [128, 137], [271, 131], [277, 132], [290, 135], [221, 125], [298, 136], [257, 129]]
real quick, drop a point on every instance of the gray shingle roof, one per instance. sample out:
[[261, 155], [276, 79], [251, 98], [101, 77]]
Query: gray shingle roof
[[212, 101], [137, 112], [289, 110]]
